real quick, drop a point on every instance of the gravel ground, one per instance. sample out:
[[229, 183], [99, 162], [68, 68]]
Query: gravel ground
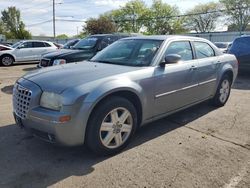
[[199, 147]]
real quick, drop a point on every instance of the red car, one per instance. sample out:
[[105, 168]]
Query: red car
[[3, 47]]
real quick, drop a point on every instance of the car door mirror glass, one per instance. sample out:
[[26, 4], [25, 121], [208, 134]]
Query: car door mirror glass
[[171, 59]]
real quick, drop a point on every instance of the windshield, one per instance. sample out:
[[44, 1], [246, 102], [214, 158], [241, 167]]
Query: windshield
[[70, 43], [131, 52], [16, 44], [86, 43]]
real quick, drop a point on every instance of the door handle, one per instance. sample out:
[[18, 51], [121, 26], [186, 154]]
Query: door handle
[[193, 67]]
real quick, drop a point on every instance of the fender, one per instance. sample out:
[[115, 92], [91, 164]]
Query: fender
[[113, 86], [224, 69], [6, 53]]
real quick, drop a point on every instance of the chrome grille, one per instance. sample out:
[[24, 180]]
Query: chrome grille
[[45, 62], [21, 100]]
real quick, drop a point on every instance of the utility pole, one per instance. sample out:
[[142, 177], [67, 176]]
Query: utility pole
[[54, 21]]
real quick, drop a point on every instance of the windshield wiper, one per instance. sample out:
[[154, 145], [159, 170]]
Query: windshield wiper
[[103, 61]]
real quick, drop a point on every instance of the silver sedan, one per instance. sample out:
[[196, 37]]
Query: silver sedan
[[132, 82]]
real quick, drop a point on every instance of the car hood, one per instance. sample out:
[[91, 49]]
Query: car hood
[[5, 48], [59, 78], [61, 53]]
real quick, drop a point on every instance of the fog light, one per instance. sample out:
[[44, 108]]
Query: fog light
[[64, 119]]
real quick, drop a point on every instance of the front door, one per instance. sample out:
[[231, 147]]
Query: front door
[[176, 84], [24, 52]]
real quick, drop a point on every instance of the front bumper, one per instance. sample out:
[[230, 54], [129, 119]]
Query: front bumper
[[45, 124]]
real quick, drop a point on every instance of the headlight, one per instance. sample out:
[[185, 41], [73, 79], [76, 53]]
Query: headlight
[[51, 100], [59, 62]]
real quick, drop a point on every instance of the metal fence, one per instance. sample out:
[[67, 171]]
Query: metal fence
[[213, 37], [219, 36]]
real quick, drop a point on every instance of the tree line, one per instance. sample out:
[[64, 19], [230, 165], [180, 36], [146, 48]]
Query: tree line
[[12, 26], [159, 18], [162, 18]]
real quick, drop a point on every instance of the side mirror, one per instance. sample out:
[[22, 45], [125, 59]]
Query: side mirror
[[170, 59], [20, 46]]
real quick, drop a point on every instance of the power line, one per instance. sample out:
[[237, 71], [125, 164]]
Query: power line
[[39, 23]]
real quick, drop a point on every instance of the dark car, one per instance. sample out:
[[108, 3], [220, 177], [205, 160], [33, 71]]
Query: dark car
[[70, 44], [83, 50], [241, 49]]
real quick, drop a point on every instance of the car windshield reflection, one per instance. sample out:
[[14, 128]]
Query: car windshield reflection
[[130, 52]]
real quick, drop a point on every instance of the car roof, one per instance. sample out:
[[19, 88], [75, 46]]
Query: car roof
[[107, 35], [35, 41], [164, 37]]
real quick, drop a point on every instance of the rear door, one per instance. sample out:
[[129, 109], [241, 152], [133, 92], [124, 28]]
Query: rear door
[[176, 84], [208, 65], [39, 48]]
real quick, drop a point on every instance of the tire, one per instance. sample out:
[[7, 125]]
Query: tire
[[7, 60], [223, 91], [111, 126]]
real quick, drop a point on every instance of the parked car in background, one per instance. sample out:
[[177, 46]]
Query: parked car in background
[[6, 43], [70, 44], [59, 46], [25, 52], [130, 83], [84, 49], [4, 47], [241, 49], [223, 46]]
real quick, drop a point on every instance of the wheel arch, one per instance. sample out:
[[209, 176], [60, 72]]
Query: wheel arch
[[124, 93], [228, 72], [7, 54]]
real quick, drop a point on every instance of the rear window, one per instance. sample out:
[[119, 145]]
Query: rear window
[[203, 50], [47, 44], [38, 44]]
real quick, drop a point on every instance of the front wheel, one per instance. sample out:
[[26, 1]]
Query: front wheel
[[223, 91], [111, 126], [7, 60]]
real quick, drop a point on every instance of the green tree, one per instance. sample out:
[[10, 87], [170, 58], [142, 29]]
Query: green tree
[[62, 36], [162, 19], [1, 27], [239, 12], [130, 17], [203, 22], [13, 26], [100, 25]]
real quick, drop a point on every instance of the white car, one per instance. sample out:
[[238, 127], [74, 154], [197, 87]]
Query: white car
[[26, 52]]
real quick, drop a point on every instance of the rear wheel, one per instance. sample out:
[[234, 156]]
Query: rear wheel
[[111, 126], [7, 60], [223, 91]]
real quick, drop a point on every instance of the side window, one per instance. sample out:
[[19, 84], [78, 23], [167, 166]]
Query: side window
[[104, 43], [38, 44], [203, 50], [26, 45], [182, 48], [47, 44]]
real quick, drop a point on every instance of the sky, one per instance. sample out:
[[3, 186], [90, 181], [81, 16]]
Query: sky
[[37, 14]]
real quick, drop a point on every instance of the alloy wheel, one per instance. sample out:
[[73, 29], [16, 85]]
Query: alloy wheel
[[116, 127]]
